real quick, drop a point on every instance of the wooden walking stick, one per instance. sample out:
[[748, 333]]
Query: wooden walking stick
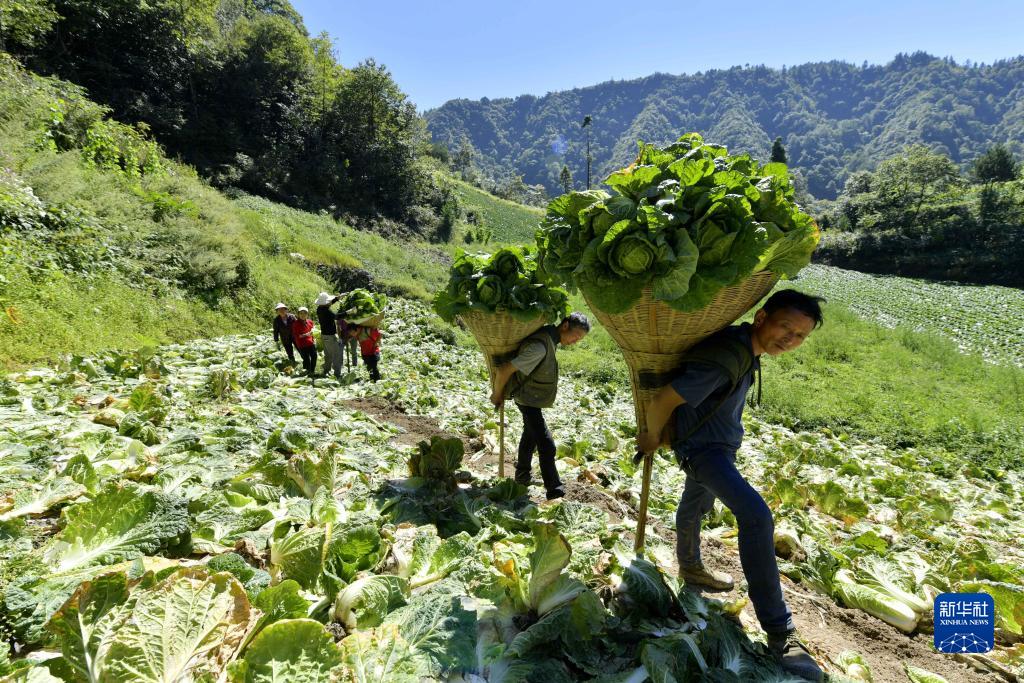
[[645, 492], [501, 439]]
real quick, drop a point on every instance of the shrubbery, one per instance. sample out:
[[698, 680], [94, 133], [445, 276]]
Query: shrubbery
[[917, 216]]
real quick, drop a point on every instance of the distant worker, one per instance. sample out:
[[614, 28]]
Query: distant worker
[[302, 333], [283, 330], [347, 333], [329, 333], [535, 369], [705, 405], [369, 346]]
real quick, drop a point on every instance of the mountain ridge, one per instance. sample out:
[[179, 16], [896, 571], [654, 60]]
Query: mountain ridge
[[835, 118]]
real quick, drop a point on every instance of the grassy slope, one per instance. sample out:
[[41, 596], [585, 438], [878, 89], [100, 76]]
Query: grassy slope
[[905, 387], [509, 223], [47, 310]]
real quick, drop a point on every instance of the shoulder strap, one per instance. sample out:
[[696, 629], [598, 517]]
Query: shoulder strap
[[725, 351], [730, 354], [514, 383]]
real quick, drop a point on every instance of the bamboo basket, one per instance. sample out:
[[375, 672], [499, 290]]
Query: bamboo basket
[[654, 338], [499, 336], [375, 320]]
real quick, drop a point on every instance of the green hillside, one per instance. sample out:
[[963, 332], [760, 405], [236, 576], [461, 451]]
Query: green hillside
[[96, 258], [108, 244], [835, 118], [506, 221]]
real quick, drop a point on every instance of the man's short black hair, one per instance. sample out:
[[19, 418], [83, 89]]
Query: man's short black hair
[[807, 304], [577, 321]]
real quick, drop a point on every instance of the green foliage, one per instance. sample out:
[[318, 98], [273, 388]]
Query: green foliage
[[688, 219], [842, 378], [299, 650], [91, 259], [507, 281], [359, 305], [916, 217], [565, 180], [499, 586], [24, 24], [491, 218], [778, 152], [241, 92], [115, 147], [995, 165], [437, 459]]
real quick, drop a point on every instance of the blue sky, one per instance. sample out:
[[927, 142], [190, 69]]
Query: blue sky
[[460, 48]]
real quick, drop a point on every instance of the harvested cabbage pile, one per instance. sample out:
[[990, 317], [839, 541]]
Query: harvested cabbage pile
[[507, 281], [688, 219], [360, 305]]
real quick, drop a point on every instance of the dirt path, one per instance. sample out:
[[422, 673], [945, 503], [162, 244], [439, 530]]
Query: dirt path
[[827, 628]]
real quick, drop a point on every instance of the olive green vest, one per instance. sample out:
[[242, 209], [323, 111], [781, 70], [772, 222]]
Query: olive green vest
[[538, 389]]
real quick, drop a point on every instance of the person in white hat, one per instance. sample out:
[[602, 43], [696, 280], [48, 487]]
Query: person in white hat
[[283, 330], [329, 333], [302, 333]]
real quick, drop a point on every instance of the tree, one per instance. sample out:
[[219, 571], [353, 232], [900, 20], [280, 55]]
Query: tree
[[905, 182], [565, 177], [779, 152], [372, 135], [252, 104], [25, 23], [858, 183], [464, 160], [326, 75], [995, 165]]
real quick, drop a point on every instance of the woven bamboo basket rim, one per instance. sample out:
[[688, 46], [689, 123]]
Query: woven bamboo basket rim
[[499, 333], [374, 320], [500, 330], [652, 328], [653, 337]]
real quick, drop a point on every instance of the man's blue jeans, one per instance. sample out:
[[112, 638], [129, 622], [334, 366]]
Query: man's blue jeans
[[712, 474]]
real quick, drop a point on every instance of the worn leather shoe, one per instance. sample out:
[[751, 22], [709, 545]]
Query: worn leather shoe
[[699, 575], [794, 657]]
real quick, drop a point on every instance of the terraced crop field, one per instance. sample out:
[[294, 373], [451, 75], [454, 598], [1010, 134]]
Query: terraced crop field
[[985, 320]]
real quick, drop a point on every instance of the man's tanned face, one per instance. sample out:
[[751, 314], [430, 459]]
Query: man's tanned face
[[781, 331]]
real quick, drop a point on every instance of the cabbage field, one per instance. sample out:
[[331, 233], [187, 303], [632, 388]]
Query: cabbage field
[[987, 320], [193, 513]]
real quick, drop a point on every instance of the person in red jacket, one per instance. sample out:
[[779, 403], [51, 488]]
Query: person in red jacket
[[302, 335], [369, 349]]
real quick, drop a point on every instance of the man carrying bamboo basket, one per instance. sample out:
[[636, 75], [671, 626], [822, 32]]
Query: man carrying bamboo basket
[[705, 402], [535, 369]]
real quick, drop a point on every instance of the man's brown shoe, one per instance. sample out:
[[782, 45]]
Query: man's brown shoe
[[699, 575], [794, 657]]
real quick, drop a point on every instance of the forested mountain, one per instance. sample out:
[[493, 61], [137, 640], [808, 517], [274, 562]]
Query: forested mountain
[[239, 90], [834, 118]]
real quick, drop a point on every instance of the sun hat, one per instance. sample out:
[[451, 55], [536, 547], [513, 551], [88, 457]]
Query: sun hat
[[323, 299], [303, 308], [279, 306]]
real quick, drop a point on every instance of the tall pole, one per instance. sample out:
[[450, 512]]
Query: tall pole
[[586, 126], [588, 157]]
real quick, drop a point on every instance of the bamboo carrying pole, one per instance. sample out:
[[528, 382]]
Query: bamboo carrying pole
[[501, 440], [653, 339]]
